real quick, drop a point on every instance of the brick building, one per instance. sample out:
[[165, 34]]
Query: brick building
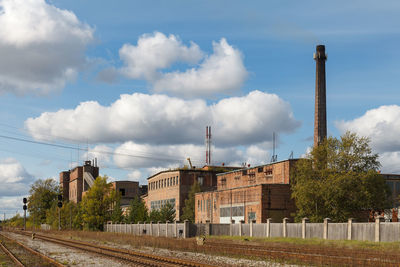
[[76, 182], [128, 190], [250, 194], [173, 186]]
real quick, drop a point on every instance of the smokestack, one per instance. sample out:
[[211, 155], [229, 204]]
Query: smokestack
[[320, 96]]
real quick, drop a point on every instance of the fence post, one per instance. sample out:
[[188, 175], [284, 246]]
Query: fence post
[[166, 228], [126, 228], [151, 228], [144, 228], [208, 228], [304, 227], [186, 229], [251, 228], [111, 227], [349, 226], [158, 225], [326, 222], [176, 229], [284, 226], [377, 229], [231, 228], [240, 228], [138, 223], [269, 227]]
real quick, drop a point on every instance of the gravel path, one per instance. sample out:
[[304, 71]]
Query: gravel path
[[74, 257], [65, 255]]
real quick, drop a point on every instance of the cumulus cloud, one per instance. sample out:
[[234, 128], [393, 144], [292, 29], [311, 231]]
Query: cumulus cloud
[[156, 158], [390, 162], [135, 175], [14, 179], [381, 125], [101, 152], [220, 72], [41, 46], [154, 52], [160, 119]]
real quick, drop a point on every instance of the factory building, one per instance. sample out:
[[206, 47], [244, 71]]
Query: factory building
[[249, 194], [76, 182], [173, 186]]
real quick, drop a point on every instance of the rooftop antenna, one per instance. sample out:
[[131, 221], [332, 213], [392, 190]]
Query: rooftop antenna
[[291, 155], [274, 157], [208, 145]]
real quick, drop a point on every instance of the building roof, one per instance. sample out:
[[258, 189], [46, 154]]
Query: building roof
[[209, 169], [258, 166]]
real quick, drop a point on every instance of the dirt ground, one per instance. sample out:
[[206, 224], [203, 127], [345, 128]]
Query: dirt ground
[[73, 257]]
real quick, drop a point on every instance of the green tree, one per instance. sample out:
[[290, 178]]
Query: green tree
[[137, 211], [68, 213], [117, 215], [154, 215], [43, 194], [97, 204], [167, 213], [189, 208], [338, 179]]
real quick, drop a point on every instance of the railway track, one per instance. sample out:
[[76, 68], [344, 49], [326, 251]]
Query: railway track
[[22, 255], [320, 256], [137, 258]]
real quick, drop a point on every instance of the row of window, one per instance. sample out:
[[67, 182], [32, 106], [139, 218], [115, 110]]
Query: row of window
[[236, 211], [205, 204], [166, 182], [158, 204]]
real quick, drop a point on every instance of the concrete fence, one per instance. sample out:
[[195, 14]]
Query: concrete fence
[[178, 230], [376, 231]]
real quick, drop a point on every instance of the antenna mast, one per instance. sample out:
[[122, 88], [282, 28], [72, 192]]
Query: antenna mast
[[274, 157], [208, 145]]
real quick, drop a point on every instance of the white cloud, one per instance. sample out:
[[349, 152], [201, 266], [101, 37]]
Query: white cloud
[[390, 162], [381, 125], [156, 158], [155, 52], [135, 175], [220, 72], [160, 119], [41, 46], [101, 152], [14, 179]]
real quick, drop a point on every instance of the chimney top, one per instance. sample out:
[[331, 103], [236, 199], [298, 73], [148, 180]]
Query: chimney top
[[320, 48]]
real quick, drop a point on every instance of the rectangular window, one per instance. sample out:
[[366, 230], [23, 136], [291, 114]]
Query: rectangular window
[[260, 169], [244, 172], [122, 191]]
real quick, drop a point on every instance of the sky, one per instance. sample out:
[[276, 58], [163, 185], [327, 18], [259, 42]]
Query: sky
[[135, 83]]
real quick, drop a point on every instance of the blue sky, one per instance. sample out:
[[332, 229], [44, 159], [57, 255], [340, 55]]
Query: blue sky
[[141, 80]]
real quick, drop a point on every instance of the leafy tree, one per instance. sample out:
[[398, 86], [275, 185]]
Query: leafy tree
[[68, 213], [189, 209], [97, 203], [117, 215], [338, 179], [43, 194], [137, 211], [167, 213], [155, 215]]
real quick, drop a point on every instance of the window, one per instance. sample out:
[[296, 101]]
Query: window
[[200, 180], [173, 180], [260, 169], [122, 191], [198, 204], [244, 172]]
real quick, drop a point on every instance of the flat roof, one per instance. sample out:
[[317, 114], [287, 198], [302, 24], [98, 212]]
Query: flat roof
[[258, 166]]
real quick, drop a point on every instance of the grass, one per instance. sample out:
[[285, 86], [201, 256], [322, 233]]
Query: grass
[[349, 244]]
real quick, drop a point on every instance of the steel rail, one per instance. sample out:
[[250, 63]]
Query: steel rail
[[11, 255], [37, 253], [123, 254]]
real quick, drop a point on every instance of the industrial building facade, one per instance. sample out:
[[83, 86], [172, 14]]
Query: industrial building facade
[[173, 186], [250, 194]]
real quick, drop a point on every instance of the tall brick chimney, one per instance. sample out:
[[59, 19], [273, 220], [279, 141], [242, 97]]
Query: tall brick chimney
[[320, 96]]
